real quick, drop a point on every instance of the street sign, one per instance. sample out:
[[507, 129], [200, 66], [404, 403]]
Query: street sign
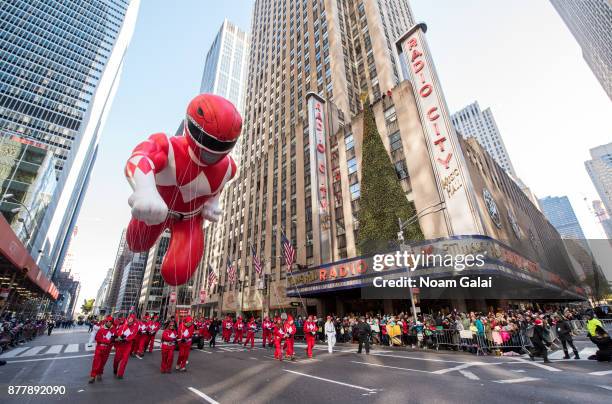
[[295, 304]]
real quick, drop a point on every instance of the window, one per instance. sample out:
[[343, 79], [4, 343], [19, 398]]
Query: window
[[355, 191], [401, 170], [395, 141], [349, 141], [390, 116], [352, 165]]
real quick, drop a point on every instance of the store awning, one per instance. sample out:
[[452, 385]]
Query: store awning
[[17, 256]]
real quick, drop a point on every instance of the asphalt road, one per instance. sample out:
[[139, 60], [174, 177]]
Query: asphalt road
[[232, 374]]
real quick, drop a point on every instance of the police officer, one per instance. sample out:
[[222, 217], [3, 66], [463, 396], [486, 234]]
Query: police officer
[[564, 332], [363, 333]]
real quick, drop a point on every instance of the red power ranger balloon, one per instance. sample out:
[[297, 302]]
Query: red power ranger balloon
[[177, 182]]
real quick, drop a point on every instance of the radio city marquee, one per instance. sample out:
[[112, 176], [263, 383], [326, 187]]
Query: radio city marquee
[[318, 172], [454, 185], [361, 271]]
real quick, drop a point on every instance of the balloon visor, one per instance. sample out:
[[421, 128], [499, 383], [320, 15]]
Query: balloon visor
[[206, 140]]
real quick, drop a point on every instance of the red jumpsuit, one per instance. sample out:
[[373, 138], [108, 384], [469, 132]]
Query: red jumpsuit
[[310, 330], [204, 332], [239, 330], [104, 345], [184, 342], [167, 349], [124, 338], [153, 327], [143, 336], [267, 329], [251, 329], [227, 329], [279, 335], [290, 330]]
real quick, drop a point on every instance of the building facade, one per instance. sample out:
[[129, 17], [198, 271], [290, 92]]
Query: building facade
[[60, 67], [131, 283], [600, 171], [559, 212], [603, 218], [337, 49], [590, 21], [101, 295], [123, 257], [471, 121], [152, 295]]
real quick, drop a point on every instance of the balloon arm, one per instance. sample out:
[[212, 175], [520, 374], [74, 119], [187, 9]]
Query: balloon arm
[[211, 210]]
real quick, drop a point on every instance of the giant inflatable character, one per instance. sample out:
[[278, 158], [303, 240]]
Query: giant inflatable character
[[177, 182]]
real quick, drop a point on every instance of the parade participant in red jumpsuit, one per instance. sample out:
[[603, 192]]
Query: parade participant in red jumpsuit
[[290, 330], [185, 334], [267, 327], [177, 183], [124, 337], [168, 345], [104, 345], [310, 332], [136, 340], [154, 325], [204, 332], [143, 335], [228, 326], [251, 329], [279, 334], [238, 330]]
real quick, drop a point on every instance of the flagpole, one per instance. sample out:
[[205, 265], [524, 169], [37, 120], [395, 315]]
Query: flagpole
[[293, 279]]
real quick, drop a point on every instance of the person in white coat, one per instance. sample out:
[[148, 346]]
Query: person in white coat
[[92, 335], [330, 332]]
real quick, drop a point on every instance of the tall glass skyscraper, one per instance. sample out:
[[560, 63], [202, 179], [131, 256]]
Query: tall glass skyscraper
[[600, 170], [559, 212], [60, 63], [590, 21]]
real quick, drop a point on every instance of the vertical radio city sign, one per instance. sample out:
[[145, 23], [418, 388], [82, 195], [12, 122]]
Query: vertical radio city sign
[[452, 179], [318, 173]]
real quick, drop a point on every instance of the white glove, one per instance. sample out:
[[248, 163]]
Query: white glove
[[211, 210], [148, 206]]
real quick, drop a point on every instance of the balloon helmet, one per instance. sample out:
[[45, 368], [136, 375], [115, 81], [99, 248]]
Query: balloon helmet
[[212, 127]]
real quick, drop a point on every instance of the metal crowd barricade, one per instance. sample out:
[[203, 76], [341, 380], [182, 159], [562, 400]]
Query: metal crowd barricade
[[480, 344], [579, 326]]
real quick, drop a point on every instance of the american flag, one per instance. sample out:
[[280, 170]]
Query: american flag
[[288, 251], [231, 271], [256, 260], [212, 277]]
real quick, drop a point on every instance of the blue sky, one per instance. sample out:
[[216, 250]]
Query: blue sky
[[516, 57]]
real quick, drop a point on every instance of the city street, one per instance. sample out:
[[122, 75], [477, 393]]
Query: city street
[[231, 374]]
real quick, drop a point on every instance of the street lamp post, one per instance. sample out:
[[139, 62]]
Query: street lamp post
[[400, 239], [6, 198]]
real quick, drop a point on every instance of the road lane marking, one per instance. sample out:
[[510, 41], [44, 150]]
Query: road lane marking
[[540, 365], [469, 375], [601, 373], [55, 349], [14, 352], [465, 365], [201, 350], [392, 367], [204, 396], [50, 359], [70, 348], [435, 360], [33, 351], [521, 380], [330, 380], [605, 387], [90, 347]]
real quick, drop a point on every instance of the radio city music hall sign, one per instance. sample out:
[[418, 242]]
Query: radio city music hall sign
[[443, 146]]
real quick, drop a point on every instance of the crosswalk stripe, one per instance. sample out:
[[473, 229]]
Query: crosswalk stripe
[[521, 380], [71, 348], [55, 349], [601, 373], [90, 348], [14, 352], [469, 375], [33, 351]]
